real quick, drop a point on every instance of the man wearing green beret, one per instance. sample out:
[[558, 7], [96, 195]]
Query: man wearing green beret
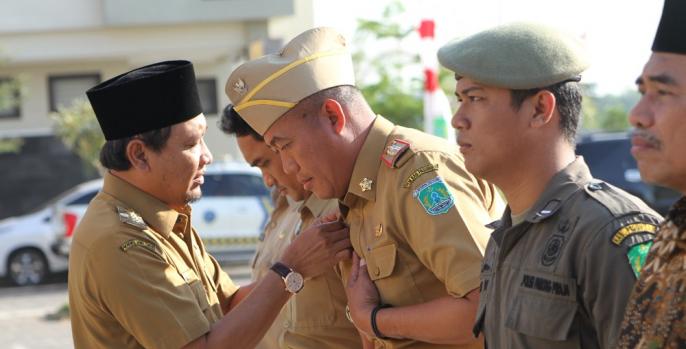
[[416, 216], [561, 262], [656, 313]]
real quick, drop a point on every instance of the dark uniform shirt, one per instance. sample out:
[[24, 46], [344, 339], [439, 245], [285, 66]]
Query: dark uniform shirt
[[656, 314], [139, 276], [561, 278]]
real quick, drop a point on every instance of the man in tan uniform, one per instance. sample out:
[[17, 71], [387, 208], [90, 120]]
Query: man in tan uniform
[[656, 314], [560, 264], [139, 275], [416, 216], [315, 317]]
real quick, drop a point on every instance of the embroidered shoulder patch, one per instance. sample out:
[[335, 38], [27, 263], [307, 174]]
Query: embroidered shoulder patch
[[131, 218], [637, 232], [393, 152], [637, 256], [434, 196], [139, 243], [418, 172]]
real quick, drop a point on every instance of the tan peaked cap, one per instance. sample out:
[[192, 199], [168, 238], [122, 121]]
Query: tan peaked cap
[[516, 56], [263, 89]]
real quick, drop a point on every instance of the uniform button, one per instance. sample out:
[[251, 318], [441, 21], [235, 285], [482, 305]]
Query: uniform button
[[286, 324], [377, 271], [595, 186]]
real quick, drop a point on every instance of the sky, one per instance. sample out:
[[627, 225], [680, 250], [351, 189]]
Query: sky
[[617, 33]]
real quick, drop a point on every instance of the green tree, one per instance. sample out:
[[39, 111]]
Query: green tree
[[9, 93], [381, 78], [78, 129], [608, 112]]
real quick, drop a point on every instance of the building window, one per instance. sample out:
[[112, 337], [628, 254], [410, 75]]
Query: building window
[[9, 98], [64, 89], [207, 89]]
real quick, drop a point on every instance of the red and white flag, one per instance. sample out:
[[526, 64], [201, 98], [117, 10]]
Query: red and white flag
[[437, 112]]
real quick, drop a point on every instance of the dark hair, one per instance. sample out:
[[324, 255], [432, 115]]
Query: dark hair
[[232, 123], [343, 94], [113, 152], [568, 98]]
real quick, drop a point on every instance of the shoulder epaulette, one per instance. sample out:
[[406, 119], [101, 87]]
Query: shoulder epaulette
[[394, 151]]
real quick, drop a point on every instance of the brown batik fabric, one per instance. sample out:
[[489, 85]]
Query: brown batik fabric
[[656, 312]]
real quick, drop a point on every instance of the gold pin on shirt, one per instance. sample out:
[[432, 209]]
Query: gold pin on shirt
[[366, 184], [378, 231]]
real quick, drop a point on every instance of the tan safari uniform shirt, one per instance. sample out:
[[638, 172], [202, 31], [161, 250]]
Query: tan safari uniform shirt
[[418, 218], [275, 238], [562, 277], [315, 317], [139, 275]]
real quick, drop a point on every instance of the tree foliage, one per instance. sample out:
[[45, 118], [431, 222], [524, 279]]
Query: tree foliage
[[382, 76], [608, 113], [78, 129]]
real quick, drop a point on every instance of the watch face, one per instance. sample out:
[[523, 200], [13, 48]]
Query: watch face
[[294, 282]]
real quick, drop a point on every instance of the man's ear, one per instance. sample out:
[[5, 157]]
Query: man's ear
[[136, 152], [543, 104], [333, 110]]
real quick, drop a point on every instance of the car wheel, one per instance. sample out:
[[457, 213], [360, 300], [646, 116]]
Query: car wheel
[[26, 267]]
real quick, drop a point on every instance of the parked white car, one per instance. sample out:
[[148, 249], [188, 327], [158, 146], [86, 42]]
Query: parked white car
[[28, 244], [229, 218]]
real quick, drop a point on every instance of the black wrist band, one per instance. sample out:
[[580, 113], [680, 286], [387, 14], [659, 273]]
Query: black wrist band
[[376, 309]]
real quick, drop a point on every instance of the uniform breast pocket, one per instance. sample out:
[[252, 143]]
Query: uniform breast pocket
[[381, 262], [544, 306], [196, 288]]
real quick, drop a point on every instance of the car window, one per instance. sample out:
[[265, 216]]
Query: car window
[[234, 185], [84, 199]]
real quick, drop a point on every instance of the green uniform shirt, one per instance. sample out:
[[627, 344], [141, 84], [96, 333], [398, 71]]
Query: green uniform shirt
[[561, 279]]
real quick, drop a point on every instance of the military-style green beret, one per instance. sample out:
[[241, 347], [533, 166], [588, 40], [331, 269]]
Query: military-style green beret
[[516, 56]]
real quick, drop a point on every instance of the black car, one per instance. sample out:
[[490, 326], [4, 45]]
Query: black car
[[608, 155]]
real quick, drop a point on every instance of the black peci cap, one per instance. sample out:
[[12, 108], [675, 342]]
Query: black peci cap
[[146, 99], [670, 33]]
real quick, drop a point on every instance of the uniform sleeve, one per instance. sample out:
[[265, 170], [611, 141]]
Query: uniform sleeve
[[445, 212], [148, 296], [606, 277]]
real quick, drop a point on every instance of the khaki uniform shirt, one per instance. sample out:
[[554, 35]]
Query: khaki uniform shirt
[[656, 314], [417, 217], [561, 278], [275, 238], [315, 316], [139, 275]]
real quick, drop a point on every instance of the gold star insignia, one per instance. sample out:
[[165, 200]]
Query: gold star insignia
[[366, 184]]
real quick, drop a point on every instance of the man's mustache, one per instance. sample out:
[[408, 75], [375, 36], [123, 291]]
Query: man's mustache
[[647, 137]]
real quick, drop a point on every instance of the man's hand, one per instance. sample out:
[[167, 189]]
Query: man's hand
[[318, 249], [362, 296]]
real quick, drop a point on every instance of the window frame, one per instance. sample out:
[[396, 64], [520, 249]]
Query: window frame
[[52, 107]]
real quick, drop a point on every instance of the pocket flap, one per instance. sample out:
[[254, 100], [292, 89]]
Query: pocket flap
[[381, 262], [543, 317]]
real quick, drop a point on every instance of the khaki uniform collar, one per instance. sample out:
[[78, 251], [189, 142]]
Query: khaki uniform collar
[[559, 189], [154, 212], [314, 205], [369, 160]]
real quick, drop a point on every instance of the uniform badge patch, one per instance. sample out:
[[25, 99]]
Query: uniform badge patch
[[632, 229], [434, 196], [418, 172], [240, 87], [131, 218], [552, 250], [393, 152], [637, 256], [139, 243]]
